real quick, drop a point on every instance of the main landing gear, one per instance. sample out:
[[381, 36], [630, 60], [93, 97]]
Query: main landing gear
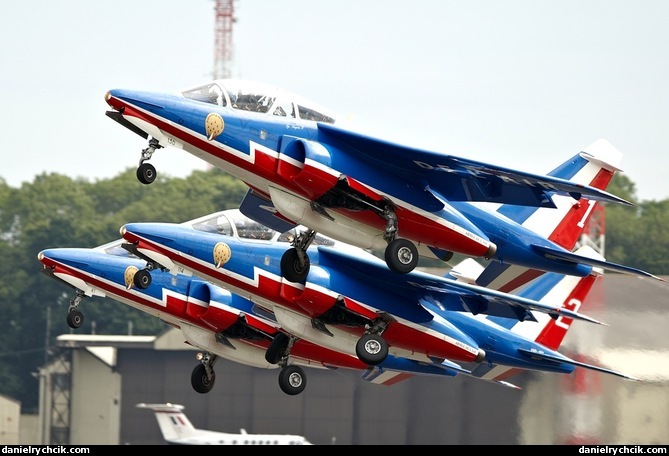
[[401, 255], [292, 379], [203, 377], [371, 349], [146, 172], [295, 261]]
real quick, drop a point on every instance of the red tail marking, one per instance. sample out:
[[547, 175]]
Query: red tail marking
[[554, 332], [570, 228]]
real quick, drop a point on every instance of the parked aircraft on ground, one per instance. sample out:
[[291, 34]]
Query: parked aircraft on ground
[[352, 302], [365, 191], [178, 430], [211, 318]]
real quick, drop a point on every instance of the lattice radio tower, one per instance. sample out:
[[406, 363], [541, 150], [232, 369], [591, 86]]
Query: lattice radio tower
[[223, 54]]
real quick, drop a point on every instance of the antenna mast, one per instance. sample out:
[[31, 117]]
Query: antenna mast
[[223, 10]]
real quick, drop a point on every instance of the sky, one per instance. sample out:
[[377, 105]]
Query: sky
[[523, 84]]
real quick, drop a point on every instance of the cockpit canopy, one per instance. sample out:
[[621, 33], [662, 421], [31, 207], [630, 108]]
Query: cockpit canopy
[[231, 222], [260, 98]]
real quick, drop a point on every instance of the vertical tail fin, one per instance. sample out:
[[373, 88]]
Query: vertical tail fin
[[555, 289], [174, 424], [564, 224], [594, 166], [552, 288]]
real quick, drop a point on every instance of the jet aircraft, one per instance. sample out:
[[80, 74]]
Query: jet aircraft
[[361, 190], [177, 429], [210, 318], [353, 303]]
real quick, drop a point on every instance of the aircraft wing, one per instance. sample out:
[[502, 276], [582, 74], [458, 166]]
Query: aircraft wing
[[437, 293], [456, 178]]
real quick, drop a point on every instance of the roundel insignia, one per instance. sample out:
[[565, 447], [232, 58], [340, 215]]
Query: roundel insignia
[[222, 254], [213, 125], [129, 276]]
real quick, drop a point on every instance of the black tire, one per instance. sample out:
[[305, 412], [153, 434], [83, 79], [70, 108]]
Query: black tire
[[401, 256], [291, 267], [292, 380], [146, 173], [371, 349], [75, 319], [200, 381], [277, 348], [142, 279]]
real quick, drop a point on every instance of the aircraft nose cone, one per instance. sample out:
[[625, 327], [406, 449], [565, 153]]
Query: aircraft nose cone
[[47, 254], [121, 98]]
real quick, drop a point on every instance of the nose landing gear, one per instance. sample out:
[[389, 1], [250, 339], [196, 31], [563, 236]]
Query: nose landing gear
[[146, 172]]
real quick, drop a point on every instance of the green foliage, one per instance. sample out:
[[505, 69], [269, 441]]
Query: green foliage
[[637, 235], [57, 211]]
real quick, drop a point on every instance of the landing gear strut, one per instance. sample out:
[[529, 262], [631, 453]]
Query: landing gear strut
[[146, 172], [371, 348], [142, 278], [292, 379], [74, 317], [295, 261], [401, 255], [203, 377]]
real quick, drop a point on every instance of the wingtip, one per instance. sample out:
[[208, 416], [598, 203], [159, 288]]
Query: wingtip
[[577, 316], [510, 385]]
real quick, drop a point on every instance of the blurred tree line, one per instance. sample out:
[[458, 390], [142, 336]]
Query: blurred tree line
[[57, 211]]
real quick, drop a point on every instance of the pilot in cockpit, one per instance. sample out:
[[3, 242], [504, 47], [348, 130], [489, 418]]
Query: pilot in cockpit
[[223, 226], [216, 95]]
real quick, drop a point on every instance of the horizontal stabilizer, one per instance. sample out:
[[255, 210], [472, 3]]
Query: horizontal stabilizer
[[166, 407], [575, 258], [518, 301], [566, 360]]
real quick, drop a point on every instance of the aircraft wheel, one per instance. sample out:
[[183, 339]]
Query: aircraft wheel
[[401, 256], [142, 279], [200, 381], [75, 319], [371, 349], [276, 348], [292, 268], [292, 380], [146, 173]]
